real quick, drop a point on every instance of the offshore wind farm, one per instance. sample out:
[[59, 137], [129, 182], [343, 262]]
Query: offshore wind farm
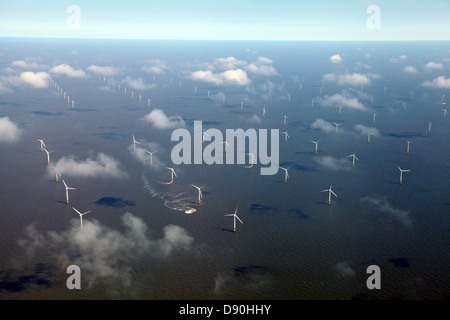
[[188, 138]]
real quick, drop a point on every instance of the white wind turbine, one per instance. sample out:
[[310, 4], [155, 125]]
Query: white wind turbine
[[234, 215], [312, 103], [354, 157], [284, 119], [442, 99], [401, 173], [286, 136], [57, 173], [374, 115], [289, 97], [368, 136], [81, 217], [316, 143], [148, 102], [329, 194], [226, 144], [253, 158], [429, 127], [172, 173], [264, 111], [151, 155], [445, 112], [337, 126], [67, 191], [42, 144], [200, 195], [407, 146], [203, 135], [48, 155], [134, 143], [286, 174], [242, 105]]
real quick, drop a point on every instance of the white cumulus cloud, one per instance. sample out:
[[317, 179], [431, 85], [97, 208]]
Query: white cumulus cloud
[[160, 120], [65, 69], [410, 69], [336, 58], [353, 79], [341, 100], [228, 77], [440, 82], [35, 79], [103, 70], [9, 131], [137, 83], [434, 65], [102, 165]]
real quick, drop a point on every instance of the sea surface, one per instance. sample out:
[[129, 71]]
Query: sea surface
[[138, 243]]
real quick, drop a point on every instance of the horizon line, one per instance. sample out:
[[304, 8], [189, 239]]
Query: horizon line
[[211, 39]]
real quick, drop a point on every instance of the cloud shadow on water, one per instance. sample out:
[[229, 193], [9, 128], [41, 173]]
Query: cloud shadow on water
[[114, 202]]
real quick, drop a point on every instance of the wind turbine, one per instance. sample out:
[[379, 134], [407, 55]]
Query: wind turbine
[[148, 102], [286, 136], [226, 144], [368, 136], [284, 120], [289, 97], [57, 173], [73, 104], [445, 112], [442, 99], [42, 144], [329, 194], [234, 215], [134, 143], [48, 155], [407, 146], [253, 157], [312, 103], [151, 155], [429, 127], [385, 89], [401, 173], [242, 105], [316, 143], [374, 115], [81, 217], [354, 157], [286, 174], [337, 126], [264, 111], [200, 195], [67, 191], [172, 172], [203, 135]]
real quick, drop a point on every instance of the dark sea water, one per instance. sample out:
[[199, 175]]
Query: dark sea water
[[137, 242]]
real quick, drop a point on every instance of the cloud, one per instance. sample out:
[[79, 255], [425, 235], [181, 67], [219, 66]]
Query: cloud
[[102, 165], [228, 77], [24, 64], [138, 84], [156, 66], [105, 255], [324, 126], [9, 131], [265, 60], [35, 80], [364, 130], [160, 121], [353, 79], [410, 69], [336, 58], [440, 82], [344, 269], [341, 100], [335, 164], [399, 59], [104, 71], [67, 70], [229, 63], [265, 70], [434, 65], [382, 204]]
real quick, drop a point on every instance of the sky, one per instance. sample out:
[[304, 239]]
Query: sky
[[228, 19]]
